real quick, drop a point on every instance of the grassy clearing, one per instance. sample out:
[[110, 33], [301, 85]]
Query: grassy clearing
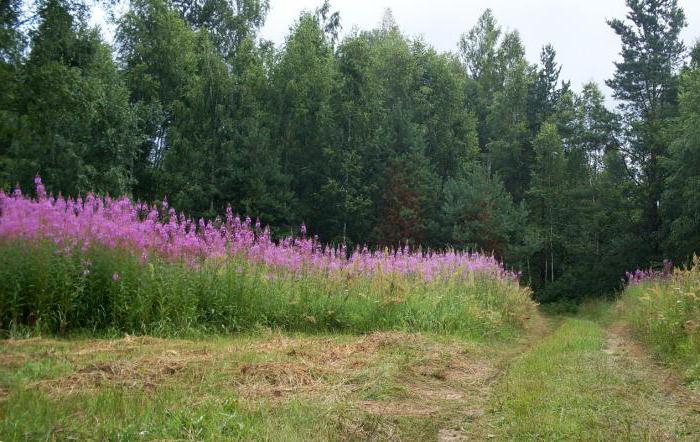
[[582, 383], [665, 315], [101, 289], [384, 386]]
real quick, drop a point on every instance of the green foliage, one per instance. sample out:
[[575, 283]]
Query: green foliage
[[207, 130], [645, 82], [480, 215], [102, 289], [545, 94], [500, 83], [303, 84], [681, 200], [10, 35], [546, 199], [666, 316], [157, 54], [70, 121], [228, 23], [410, 199], [11, 43]]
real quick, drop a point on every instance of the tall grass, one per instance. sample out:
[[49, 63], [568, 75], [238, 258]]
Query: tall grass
[[110, 289], [665, 314], [111, 264]]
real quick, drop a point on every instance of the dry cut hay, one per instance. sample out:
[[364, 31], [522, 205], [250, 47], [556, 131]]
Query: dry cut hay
[[143, 373]]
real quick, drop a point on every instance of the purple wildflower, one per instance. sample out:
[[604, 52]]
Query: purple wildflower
[[74, 224]]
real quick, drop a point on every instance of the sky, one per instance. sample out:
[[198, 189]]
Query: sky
[[586, 46]]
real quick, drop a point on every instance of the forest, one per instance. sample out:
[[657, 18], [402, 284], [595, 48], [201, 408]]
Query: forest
[[375, 138]]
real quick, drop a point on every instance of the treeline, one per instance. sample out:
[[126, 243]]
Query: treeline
[[374, 138]]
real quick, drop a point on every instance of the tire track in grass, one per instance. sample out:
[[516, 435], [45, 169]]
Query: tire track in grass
[[472, 423], [622, 346], [579, 384]]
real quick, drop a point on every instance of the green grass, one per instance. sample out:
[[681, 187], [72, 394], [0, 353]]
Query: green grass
[[258, 387], [577, 385], [45, 291], [665, 315], [571, 380]]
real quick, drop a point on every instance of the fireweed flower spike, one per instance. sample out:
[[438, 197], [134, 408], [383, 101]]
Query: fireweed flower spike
[[649, 275], [146, 232], [40, 190]]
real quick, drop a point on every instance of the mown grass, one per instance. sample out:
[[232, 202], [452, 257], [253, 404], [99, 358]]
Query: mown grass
[[382, 386], [577, 384], [665, 315], [106, 290]]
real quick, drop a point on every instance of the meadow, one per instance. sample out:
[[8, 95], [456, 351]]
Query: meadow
[[427, 241], [124, 321]]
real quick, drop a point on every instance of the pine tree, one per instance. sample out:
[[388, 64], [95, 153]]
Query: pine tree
[[645, 84], [410, 199], [479, 214]]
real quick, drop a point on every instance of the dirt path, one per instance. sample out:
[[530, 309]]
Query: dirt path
[[475, 422], [585, 381]]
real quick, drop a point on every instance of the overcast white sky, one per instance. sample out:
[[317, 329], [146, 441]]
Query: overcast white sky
[[586, 46]]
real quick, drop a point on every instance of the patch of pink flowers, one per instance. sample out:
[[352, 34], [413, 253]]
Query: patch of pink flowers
[[650, 275], [146, 231]]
